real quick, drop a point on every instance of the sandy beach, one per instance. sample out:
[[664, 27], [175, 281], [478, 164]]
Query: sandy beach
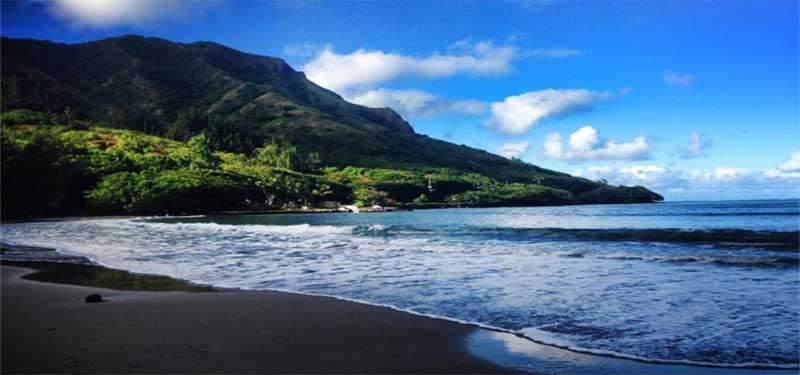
[[47, 327]]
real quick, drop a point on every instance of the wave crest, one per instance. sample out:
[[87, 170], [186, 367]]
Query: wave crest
[[277, 230], [730, 238]]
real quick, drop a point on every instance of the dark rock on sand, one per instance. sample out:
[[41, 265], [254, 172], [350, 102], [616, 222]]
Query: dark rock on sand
[[218, 332], [94, 298]]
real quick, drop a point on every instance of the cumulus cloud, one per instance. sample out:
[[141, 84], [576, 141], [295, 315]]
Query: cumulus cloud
[[718, 174], [109, 13], [776, 173], [513, 150], [697, 147], [735, 182], [792, 164], [644, 173], [718, 183], [678, 79], [358, 75], [652, 176], [517, 114], [364, 68], [417, 103], [586, 144]]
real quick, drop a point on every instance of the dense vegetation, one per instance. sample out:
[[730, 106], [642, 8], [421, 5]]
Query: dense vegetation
[[200, 127], [240, 101], [49, 168]]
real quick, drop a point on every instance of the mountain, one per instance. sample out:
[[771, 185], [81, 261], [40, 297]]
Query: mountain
[[241, 101]]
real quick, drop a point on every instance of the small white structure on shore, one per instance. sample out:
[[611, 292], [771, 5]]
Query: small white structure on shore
[[377, 208], [352, 208]]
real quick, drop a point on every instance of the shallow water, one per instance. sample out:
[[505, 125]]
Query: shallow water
[[688, 282], [513, 352]]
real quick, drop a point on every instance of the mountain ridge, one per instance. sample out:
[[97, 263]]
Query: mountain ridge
[[241, 100]]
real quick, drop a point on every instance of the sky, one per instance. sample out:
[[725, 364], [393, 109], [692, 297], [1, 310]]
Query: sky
[[695, 100]]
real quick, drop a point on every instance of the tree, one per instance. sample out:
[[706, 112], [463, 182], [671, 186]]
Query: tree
[[203, 154], [312, 163], [421, 199], [275, 156], [24, 117], [367, 196], [37, 174], [115, 192], [186, 124]]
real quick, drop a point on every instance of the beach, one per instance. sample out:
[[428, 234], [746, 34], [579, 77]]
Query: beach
[[156, 324], [556, 290], [47, 327], [418, 187]]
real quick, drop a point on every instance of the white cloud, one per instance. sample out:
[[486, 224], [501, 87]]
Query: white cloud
[[643, 173], [697, 147], [356, 77], [468, 46], [652, 176], [303, 50], [718, 174], [553, 53], [775, 173], [678, 79], [364, 68], [108, 13], [586, 144], [517, 114], [416, 103], [513, 150], [792, 164], [718, 183], [742, 183]]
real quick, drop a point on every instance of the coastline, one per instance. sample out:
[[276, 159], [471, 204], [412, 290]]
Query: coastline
[[47, 327], [153, 323], [90, 214], [505, 342]]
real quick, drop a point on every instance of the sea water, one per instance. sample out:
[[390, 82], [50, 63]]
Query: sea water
[[712, 283]]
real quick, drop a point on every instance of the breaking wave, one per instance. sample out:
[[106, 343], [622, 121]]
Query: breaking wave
[[720, 291], [733, 238]]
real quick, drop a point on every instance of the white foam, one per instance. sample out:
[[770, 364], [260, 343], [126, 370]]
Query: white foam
[[297, 229], [539, 336], [461, 279], [378, 227]]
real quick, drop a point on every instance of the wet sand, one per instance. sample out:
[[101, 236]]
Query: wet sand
[[48, 327], [156, 324]]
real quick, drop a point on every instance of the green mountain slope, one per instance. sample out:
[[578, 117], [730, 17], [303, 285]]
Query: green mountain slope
[[240, 102]]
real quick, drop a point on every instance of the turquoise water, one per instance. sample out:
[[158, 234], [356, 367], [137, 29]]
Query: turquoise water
[[687, 282]]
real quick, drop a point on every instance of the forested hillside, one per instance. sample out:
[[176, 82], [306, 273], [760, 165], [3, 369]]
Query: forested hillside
[[53, 165], [238, 106]]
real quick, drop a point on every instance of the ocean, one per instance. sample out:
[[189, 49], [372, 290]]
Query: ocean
[[712, 283]]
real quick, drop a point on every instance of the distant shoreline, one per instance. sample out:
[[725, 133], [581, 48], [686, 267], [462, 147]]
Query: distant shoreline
[[71, 215], [68, 215]]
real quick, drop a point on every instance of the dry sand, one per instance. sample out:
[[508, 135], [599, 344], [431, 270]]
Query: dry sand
[[48, 328]]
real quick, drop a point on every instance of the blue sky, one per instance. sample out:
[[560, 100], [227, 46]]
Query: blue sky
[[695, 100]]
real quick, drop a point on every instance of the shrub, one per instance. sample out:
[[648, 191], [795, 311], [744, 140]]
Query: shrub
[[24, 117], [513, 194], [421, 199]]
